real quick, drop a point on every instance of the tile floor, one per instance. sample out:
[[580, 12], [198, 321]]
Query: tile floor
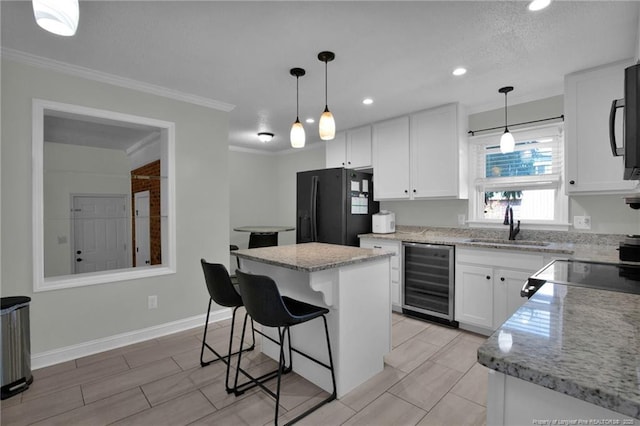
[[430, 378]]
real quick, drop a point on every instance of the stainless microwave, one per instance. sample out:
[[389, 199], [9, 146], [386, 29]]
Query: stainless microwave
[[631, 120]]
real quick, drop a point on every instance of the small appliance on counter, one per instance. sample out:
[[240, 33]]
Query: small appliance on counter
[[384, 222], [630, 249]]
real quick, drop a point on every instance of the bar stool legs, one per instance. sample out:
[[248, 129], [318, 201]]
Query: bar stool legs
[[284, 334], [227, 358]]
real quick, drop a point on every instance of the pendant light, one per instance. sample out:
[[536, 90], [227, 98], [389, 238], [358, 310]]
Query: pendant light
[[297, 131], [507, 143], [57, 16], [327, 125]]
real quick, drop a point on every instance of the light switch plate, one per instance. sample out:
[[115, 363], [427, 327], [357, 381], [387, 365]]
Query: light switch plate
[[582, 222]]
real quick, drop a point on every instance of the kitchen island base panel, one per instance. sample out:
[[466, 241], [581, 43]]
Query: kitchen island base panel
[[359, 299], [513, 401]]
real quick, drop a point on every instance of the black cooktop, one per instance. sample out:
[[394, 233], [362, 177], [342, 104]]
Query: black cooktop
[[603, 276]]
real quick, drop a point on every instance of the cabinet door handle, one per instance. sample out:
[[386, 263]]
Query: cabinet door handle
[[488, 277], [414, 191], [406, 192], [349, 162], [377, 247], [501, 278], [572, 182]]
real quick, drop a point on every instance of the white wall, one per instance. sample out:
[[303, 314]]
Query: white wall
[[61, 318]]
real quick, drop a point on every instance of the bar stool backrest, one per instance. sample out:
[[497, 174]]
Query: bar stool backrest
[[262, 300], [219, 285]]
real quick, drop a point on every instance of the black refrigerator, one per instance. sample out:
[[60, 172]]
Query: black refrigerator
[[334, 206]]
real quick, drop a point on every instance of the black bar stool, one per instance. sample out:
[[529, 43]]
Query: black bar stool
[[223, 292], [265, 305], [263, 239]]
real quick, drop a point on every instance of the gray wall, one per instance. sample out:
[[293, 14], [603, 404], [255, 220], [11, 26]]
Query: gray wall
[[62, 318], [263, 188]]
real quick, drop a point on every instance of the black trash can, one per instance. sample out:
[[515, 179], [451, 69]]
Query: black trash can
[[16, 345]]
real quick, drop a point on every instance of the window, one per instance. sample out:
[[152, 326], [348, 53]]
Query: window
[[529, 180]]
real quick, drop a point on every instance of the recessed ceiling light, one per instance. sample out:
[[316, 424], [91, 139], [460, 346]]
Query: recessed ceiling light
[[310, 120], [367, 101], [538, 4], [459, 71]]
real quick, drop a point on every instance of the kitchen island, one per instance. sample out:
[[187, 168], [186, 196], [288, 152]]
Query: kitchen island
[[354, 284], [570, 355]]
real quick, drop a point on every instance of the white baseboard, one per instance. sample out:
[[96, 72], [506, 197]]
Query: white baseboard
[[56, 356]]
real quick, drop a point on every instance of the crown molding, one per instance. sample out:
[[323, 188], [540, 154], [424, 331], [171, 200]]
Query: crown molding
[[103, 77]]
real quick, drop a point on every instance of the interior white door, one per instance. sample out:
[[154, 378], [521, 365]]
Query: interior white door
[[143, 248], [99, 233]]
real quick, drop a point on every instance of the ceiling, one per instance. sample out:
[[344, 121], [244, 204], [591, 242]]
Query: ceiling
[[401, 54]]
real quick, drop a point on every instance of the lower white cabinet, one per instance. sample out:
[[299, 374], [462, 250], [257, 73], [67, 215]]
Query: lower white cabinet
[[394, 247], [488, 284]]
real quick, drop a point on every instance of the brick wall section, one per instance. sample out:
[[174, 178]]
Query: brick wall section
[[153, 186]]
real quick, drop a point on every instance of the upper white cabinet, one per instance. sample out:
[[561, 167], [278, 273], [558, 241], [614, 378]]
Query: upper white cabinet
[[590, 165], [350, 149], [438, 153], [391, 159], [421, 156]]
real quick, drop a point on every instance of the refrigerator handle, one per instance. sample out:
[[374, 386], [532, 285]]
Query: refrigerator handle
[[314, 208]]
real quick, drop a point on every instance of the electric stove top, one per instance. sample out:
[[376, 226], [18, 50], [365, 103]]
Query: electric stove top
[[600, 275]]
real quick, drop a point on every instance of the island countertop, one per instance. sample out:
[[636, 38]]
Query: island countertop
[[311, 257], [579, 341]]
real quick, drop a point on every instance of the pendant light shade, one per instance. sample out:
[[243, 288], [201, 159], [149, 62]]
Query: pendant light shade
[[297, 135], [326, 125], [507, 143], [57, 16]]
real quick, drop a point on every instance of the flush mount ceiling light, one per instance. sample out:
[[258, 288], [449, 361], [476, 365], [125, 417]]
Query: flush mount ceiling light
[[57, 16], [507, 143], [536, 5], [459, 71], [367, 101], [265, 137], [297, 131], [310, 120], [327, 125]]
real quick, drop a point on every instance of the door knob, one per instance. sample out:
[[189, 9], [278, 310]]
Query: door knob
[[79, 259], [79, 251], [488, 277], [501, 278]]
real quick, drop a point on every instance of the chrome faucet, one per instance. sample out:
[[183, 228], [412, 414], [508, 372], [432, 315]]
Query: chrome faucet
[[508, 220]]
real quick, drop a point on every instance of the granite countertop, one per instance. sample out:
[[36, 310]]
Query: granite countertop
[[311, 257], [579, 341], [580, 246]]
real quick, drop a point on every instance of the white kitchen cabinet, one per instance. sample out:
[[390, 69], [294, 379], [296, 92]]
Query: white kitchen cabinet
[[391, 159], [474, 295], [421, 156], [438, 149], [488, 283], [591, 168], [350, 149], [394, 247]]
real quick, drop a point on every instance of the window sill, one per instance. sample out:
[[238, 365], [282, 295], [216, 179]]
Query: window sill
[[534, 225], [70, 281]]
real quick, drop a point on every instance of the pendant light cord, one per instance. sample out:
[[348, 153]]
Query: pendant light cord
[[326, 101], [297, 100], [506, 129]]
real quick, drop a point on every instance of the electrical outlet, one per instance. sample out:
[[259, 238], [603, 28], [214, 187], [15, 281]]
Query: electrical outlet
[[152, 302], [582, 222], [462, 220]]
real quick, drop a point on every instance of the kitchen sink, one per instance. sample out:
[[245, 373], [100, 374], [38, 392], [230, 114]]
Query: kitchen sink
[[507, 242]]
